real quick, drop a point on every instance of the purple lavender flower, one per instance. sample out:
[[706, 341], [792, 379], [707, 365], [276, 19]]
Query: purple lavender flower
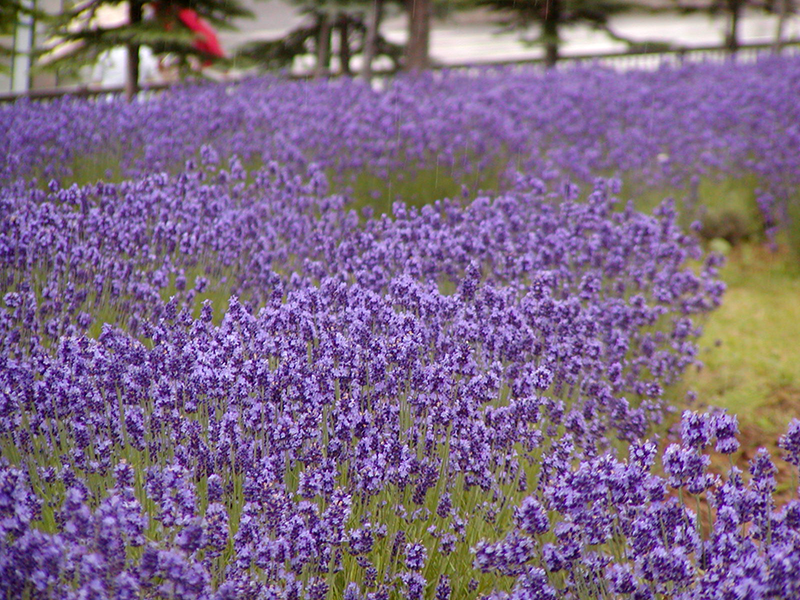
[[685, 466], [790, 443], [352, 592], [726, 428], [361, 540], [696, 429], [668, 566], [443, 588], [543, 378], [531, 517], [190, 538], [415, 585], [621, 579], [415, 556], [533, 585]]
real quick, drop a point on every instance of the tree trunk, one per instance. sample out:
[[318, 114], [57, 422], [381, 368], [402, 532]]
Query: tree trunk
[[732, 38], [371, 37], [550, 22], [323, 45], [419, 23], [132, 67], [344, 45], [783, 13]]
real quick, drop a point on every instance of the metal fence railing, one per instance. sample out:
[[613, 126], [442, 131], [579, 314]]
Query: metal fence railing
[[748, 52], [651, 59]]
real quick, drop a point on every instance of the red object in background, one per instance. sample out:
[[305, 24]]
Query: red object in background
[[206, 39]]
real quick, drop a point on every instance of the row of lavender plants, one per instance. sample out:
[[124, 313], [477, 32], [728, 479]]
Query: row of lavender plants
[[223, 382], [670, 127], [447, 403]]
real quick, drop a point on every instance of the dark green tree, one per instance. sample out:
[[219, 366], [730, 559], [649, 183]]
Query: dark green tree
[[11, 11], [553, 15], [734, 10], [154, 24], [783, 8], [331, 28]]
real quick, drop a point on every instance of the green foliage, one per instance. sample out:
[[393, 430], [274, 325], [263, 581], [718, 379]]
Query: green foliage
[[749, 346], [345, 20], [724, 205], [280, 53], [10, 13], [79, 40], [417, 187], [552, 15], [734, 10], [523, 13], [793, 231]]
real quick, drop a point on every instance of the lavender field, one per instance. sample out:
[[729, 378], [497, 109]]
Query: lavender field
[[284, 340]]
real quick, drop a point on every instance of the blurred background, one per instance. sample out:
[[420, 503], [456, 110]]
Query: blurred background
[[106, 44]]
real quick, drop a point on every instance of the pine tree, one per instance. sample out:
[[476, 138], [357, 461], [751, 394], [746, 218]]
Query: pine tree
[[81, 40], [734, 10], [342, 28], [11, 11], [553, 15]]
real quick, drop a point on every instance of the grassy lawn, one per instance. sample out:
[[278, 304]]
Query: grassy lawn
[[751, 344], [751, 350]]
